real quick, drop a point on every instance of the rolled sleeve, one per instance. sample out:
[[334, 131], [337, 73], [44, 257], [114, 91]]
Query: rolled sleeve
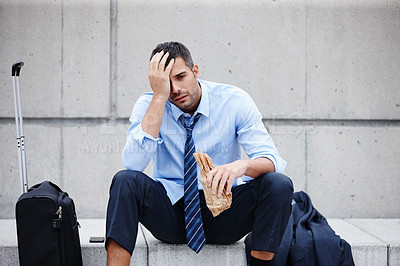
[[139, 149], [145, 140], [278, 162]]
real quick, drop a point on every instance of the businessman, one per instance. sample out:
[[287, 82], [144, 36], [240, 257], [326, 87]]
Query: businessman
[[181, 115]]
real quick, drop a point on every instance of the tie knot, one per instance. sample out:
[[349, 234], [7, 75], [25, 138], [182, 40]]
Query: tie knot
[[189, 123]]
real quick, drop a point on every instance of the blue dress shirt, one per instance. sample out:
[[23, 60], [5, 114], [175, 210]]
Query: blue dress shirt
[[228, 119]]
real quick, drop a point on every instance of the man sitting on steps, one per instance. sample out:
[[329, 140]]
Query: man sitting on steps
[[183, 114]]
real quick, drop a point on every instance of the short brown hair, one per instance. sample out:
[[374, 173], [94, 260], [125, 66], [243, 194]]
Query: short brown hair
[[175, 49]]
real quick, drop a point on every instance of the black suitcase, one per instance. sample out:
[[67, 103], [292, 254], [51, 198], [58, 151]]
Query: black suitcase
[[47, 226]]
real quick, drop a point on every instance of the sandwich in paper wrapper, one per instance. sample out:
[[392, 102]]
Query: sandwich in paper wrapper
[[215, 204]]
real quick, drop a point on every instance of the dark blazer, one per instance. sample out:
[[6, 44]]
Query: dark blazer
[[309, 240]]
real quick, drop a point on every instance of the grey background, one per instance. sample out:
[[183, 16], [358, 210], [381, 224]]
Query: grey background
[[324, 74]]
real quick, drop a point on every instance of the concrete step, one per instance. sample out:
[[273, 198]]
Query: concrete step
[[160, 253], [387, 230], [367, 250], [374, 242]]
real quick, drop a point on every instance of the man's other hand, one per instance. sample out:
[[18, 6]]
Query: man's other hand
[[225, 174]]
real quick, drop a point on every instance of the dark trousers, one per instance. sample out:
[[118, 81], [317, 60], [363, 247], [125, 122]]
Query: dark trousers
[[262, 206]]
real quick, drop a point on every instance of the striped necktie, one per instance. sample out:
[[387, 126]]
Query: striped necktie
[[193, 221]]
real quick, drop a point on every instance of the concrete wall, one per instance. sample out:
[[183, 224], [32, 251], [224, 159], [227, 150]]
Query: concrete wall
[[324, 74]]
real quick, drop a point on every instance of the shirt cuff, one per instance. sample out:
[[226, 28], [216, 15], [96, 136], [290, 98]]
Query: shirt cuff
[[144, 139], [278, 162]]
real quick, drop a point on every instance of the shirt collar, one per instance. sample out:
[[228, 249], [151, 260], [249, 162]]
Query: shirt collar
[[204, 105]]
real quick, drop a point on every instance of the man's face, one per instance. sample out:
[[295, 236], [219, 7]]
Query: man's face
[[185, 89]]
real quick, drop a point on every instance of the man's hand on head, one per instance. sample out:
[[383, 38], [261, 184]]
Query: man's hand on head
[[159, 75], [160, 84]]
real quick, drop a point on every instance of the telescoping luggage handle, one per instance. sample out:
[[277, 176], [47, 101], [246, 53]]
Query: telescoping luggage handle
[[16, 68]]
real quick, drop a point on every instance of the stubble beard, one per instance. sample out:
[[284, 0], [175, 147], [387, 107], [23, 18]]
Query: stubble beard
[[188, 107]]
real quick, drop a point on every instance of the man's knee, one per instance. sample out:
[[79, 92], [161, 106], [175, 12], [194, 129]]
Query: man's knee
[[278, 184], [128, 181]]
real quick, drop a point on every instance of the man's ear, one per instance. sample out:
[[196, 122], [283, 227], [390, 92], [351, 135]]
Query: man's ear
[[195, 70]]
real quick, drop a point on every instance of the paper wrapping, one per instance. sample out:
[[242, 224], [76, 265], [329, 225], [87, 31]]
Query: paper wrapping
[[215, 204]]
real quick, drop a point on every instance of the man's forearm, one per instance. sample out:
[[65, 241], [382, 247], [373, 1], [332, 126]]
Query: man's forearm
[[259, 166], [151, 122]]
